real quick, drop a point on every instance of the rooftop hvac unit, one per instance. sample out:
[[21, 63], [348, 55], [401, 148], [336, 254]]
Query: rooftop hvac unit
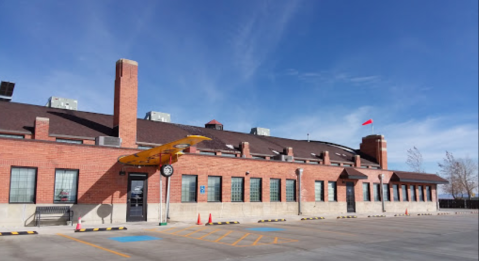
[[260, 131], [62, 103], [158, 116], [6, 91], [108, 141], [283, 158]]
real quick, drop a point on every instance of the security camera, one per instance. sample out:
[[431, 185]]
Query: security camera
[[247, 172]]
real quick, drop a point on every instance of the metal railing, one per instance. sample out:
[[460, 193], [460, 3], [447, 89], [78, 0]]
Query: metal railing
[[459, 203]]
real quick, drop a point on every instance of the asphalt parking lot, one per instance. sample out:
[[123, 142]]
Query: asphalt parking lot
[[451, 237]]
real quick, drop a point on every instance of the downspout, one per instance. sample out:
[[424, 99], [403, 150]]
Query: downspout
[[381, 177], [299, 171]]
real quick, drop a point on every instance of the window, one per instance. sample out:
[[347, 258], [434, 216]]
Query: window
[[404, 193], [207, 153], [141, 147], [188, 188], [12, 136], [428, 193], [334, 164], [364, 166], [421, 193], [319, 190], [66, 183], [413, 193], [376, 167], [214, 189], [255, 190], [274, 190], [314, 162], [366, 195], [376, 192], [347, 165], [299, 161], [228, 155], [70, 141], [258, 157], [237, 189], [290, 190], [22, 185], [332, 191], [396, 192], [386, 192]]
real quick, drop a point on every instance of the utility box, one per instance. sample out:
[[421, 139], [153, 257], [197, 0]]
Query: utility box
[[62, 103], [158, 116], [260, 131]]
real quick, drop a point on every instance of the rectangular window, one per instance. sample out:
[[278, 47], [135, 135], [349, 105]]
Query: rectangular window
[[12, 136], [255, 190], [421, 193], [332, 191], [228, 155], [140, 147], [404, 193], [319, 190], [428, 193], [22, 185], [274, 190], [214, 189], [314, 162], [334, 164], [188, 188], [366, 195], [237, 189], [386, 192], [347, 165], [396, 192], [258, 157], [70, 141], [376, 192], [207, 153], [413, 193], [66, 183], [290, 190], [364, 166]]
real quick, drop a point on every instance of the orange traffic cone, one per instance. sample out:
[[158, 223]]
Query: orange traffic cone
[[78, 224], [199, 220], [210, 220], [406, 211]]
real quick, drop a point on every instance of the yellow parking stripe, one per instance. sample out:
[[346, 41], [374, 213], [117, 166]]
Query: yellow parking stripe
[[243, 237], [223, 236], [275, 240], [257, 240], [174, 233], [195, 231], [93, 245], [209, 233]]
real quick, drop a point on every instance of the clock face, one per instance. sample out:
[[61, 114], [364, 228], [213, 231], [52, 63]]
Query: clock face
[[166, 170]]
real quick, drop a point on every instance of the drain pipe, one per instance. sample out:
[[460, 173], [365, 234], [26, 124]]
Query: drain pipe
[[381, 177], [299, 172]]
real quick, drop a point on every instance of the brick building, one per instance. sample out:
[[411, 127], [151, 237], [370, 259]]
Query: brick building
[[52, 156]]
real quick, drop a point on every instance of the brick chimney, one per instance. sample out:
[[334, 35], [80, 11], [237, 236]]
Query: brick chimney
[[126, 101], [375, 147], [245, 153], [326, 159], [42, 129]]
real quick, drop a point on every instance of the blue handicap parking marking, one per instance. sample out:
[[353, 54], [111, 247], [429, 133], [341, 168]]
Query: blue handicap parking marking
[[265, 229], [134, 238]]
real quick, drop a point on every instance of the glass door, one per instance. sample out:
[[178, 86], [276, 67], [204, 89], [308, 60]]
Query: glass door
[[137, 197], [351, 203]]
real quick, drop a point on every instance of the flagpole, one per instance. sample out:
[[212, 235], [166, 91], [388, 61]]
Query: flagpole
[[372, 128]]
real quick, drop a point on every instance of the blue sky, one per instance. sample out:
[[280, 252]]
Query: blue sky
[[296, 67]]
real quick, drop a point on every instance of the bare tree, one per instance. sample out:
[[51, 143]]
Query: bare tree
[[414, 160], [461, 174]]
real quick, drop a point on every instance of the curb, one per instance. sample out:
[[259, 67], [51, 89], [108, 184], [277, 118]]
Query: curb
[[222, 223], [443, 213], [424, 214], [377, 216], [100, 229], [271, 220], [472, 212], [402, 215], [347, 217], [312, 218], [18, 233]]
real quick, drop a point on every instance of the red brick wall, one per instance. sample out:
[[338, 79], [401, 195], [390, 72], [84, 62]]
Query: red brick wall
[[42, 129], [375, 146], [126, 99]]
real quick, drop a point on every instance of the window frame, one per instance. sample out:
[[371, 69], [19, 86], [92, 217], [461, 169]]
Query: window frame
[[242, 189], [420, 192], [322, 191], [413, 196], [220, 190], [405, 192], [196, 188], [12, 136], [428, 193], [368, 192], [260, 192], [396, 193], [271, 191], [377, 197], [54, 187], [34, 201], [69, 141], [387, 192], [294, 190], [335, 188]]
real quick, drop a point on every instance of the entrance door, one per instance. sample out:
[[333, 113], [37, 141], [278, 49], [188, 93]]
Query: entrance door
[[136, 200], [350, 197]]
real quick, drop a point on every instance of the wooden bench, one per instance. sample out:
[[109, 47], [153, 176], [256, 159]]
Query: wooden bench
[[51, 212]]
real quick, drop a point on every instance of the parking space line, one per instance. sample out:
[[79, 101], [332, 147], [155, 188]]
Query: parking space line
[[239, 240], [93, 245], [176, 232], [196, 231], [275, 240], [209, 233], [257, 240], [223, 236]]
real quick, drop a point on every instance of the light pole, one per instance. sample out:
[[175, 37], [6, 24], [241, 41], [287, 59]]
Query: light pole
[[299, 171], [381, 177]]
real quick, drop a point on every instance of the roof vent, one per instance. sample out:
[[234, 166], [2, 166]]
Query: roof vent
[[62, 103], [214, 124], [108, 141], [6, 91], [158, 116], [260, 131], [283, 158]]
